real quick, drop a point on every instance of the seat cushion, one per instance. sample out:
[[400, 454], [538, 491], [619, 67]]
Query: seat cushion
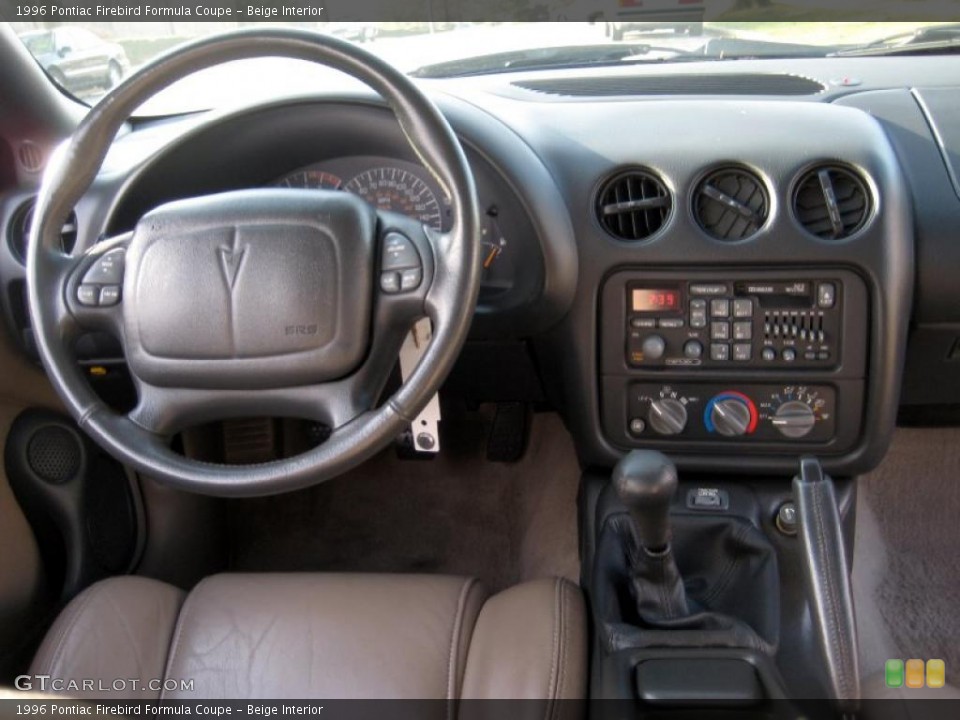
[[323, 635]]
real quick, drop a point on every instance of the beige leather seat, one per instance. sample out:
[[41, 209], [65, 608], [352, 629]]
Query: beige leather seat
[[322, 635]]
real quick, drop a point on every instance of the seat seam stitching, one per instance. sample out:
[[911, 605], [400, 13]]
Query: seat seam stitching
[[564, 625], [69, 625], [174, 644], [454, 644]]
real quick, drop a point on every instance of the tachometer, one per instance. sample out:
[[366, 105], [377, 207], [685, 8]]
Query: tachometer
[[398, 190], [311, 180]]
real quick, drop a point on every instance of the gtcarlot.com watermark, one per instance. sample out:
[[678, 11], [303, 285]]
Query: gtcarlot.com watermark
[[48, 683]]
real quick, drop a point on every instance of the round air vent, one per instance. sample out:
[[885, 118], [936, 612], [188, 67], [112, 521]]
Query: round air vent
[[18, 232], [731, 204], [831, 202], [633, 205]]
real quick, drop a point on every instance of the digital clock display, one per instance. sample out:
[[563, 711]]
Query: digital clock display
[[655, 300]]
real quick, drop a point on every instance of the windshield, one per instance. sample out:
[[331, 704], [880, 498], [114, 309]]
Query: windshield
[[88, 58]]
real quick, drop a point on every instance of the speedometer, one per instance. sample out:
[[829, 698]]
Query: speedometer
[[398, 190]]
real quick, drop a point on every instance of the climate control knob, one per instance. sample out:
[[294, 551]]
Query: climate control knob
[[668, 416], [794, 419], [731, 415]]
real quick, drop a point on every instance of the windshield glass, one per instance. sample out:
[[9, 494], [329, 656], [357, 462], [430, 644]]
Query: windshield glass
[[86, 59]]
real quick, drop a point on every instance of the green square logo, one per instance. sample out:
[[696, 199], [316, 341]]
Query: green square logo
[[893, 673]]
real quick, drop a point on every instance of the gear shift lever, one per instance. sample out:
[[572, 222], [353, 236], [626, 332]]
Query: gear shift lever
[[646, 481]]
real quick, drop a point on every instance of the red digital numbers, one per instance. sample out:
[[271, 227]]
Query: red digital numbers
[[647, 300]]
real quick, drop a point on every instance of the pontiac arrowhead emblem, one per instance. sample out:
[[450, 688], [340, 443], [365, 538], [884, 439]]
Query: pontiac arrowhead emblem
[[230, 261]]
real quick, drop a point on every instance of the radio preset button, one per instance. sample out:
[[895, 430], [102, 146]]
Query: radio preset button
[[743, 308], [720, 331], [743, 330], [720, 308], [742, 352], [719, 351]]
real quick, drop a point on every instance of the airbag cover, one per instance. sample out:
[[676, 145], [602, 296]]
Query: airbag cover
[[250, 289]]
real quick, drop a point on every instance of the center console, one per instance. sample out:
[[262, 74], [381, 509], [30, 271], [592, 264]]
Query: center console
[[764, 361]]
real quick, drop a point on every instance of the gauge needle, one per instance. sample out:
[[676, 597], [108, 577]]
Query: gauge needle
[[494, 252]]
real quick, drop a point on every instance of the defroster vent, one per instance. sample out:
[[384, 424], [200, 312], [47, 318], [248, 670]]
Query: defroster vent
[[633, 205]]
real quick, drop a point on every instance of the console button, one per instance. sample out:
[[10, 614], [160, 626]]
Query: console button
[[108, 270], [789, 354], [670, 323], [390, 282], [398, 253], [693, 349], [708, 288], [653, 347], [742, 352], [637, 426], [720, 331], [719, 351], [109, 295], [826, 295], [720, 307], [698, 313], [743, 308], [88, 295], [410, 278], [743, 330], [768, 354], [643, 323]]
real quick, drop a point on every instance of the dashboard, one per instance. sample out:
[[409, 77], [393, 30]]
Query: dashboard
[[737, 277]]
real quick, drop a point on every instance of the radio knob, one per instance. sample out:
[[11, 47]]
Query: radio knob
[[668, 416], [794, 419], [730, 416], [653, 347]]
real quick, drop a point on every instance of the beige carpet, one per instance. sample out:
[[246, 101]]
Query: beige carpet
[[456, 514], [908, 562]]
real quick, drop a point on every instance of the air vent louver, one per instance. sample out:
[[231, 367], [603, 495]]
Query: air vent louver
[[633, 205], [731, 204], [831, 202], [18, 232]]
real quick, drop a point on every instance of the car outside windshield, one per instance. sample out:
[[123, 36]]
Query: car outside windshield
[[439, 50]]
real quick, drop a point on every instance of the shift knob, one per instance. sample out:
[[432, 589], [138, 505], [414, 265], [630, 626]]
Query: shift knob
[[645, 481]]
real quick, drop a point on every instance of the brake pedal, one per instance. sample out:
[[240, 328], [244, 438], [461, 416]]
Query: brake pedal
[[509, 433]]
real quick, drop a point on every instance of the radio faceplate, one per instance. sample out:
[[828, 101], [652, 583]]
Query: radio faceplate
[[746, 323], [734, 346]]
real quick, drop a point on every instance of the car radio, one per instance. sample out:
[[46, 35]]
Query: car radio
[[740, 322]]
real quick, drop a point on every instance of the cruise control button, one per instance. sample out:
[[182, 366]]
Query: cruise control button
[[410, 278], [390, 282], [398, 253], [720, 307], [719, 351], [743, 330], [109, 295], [108, 270], [88, 295]]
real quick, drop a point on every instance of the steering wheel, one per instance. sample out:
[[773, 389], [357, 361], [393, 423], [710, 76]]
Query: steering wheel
[[256, 302]]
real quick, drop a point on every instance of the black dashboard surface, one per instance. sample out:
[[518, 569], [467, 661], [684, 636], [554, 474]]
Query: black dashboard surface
[[542, 157]]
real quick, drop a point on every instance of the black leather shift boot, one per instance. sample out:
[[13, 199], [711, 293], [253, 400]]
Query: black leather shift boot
[[723, 591]]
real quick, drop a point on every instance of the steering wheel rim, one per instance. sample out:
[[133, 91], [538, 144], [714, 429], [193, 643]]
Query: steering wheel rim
[[448, 294]]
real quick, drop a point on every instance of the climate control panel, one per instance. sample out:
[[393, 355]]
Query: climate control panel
[[708, 411]]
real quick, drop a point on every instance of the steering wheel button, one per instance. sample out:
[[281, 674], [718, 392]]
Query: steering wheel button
[[399, 253], [88, 295], [390, 282], [410, 278], [109, 295], [108, 270]]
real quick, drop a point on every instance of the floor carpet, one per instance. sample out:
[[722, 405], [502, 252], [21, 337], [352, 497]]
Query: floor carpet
[[456, 514]]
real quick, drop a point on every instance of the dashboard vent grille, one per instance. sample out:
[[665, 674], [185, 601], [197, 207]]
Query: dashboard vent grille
[[716, 84], [18, 231], [831, 202], [731, 204], [633, 205]]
